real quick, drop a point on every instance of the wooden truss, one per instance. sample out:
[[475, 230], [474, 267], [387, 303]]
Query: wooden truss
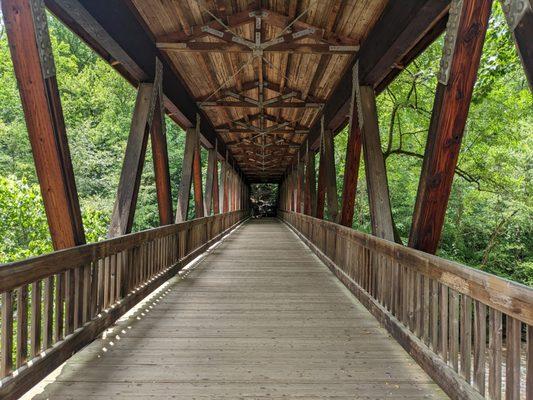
[[228, 41]]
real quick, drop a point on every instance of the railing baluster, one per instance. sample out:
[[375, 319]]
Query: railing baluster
[[35, 333], [480, 344], [466, 337], [48, 322], [6, 359], [95, 279], [434, 316], [69, 302], [444, 303], [86, 302], [512, 366], [59, 307], [454, 329], [22, 325], [529, 379], [495, 354]]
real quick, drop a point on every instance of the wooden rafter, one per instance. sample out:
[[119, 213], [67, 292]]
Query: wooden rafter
[[300, 30], [292, 48]]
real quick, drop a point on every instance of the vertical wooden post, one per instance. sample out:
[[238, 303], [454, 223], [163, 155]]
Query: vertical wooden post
[[376, 174], [160, 158], [225, 184], [33, 62], [463, 44], [330, 176], [216, 194], [197, 177], [186, 175], [310, 183], [353, 154], [321, 190], [211, 180], [519, 15]]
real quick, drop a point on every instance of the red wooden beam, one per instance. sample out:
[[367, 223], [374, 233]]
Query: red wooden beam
[[197, 180], [465, 35], [353, 155], [29, 42]]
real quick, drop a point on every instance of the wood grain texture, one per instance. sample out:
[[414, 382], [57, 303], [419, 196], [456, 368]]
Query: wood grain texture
[[132, 166], [161, 169], [45, 123], [186, 175], [353, 159], [375, 171], [244, 325], [452, 101]]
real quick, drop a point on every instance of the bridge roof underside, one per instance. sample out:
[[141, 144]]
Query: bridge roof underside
[[259, 73]]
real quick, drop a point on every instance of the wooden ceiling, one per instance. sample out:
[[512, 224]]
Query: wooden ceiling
[[262, 70]]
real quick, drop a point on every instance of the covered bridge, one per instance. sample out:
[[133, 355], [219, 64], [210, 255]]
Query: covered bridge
[[264, 85]]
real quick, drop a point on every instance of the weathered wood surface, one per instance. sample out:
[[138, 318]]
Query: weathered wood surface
[[33, 62], [464, 40], [376, 174], [261, 317]]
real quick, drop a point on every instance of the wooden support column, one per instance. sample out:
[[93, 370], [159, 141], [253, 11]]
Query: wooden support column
[[132, 166], [310, 183], [225, 184], [300, 186], [216, 195], [353, 154], [519, 15], [184, 192], [321, 189], [29, 42], [463, 44], [160, 158], [197, 177], [376, 174], [330, 175]]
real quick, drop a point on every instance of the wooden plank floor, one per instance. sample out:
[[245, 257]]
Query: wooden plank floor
[[260, 318]]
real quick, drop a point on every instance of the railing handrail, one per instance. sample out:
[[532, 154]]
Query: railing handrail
[[22, 272], [509, 297]]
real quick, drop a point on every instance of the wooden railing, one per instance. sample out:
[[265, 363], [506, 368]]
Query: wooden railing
[[466, 328], [53, 305]]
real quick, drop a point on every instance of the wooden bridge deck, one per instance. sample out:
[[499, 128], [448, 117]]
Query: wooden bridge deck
[[260, 317]]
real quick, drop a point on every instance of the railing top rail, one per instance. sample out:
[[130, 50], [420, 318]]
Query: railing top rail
[[18, 273], [512, 298]]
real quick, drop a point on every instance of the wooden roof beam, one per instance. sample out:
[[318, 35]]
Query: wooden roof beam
[[282, 21], [292, 48], [284, 131], [242, 104], [199, 31]]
